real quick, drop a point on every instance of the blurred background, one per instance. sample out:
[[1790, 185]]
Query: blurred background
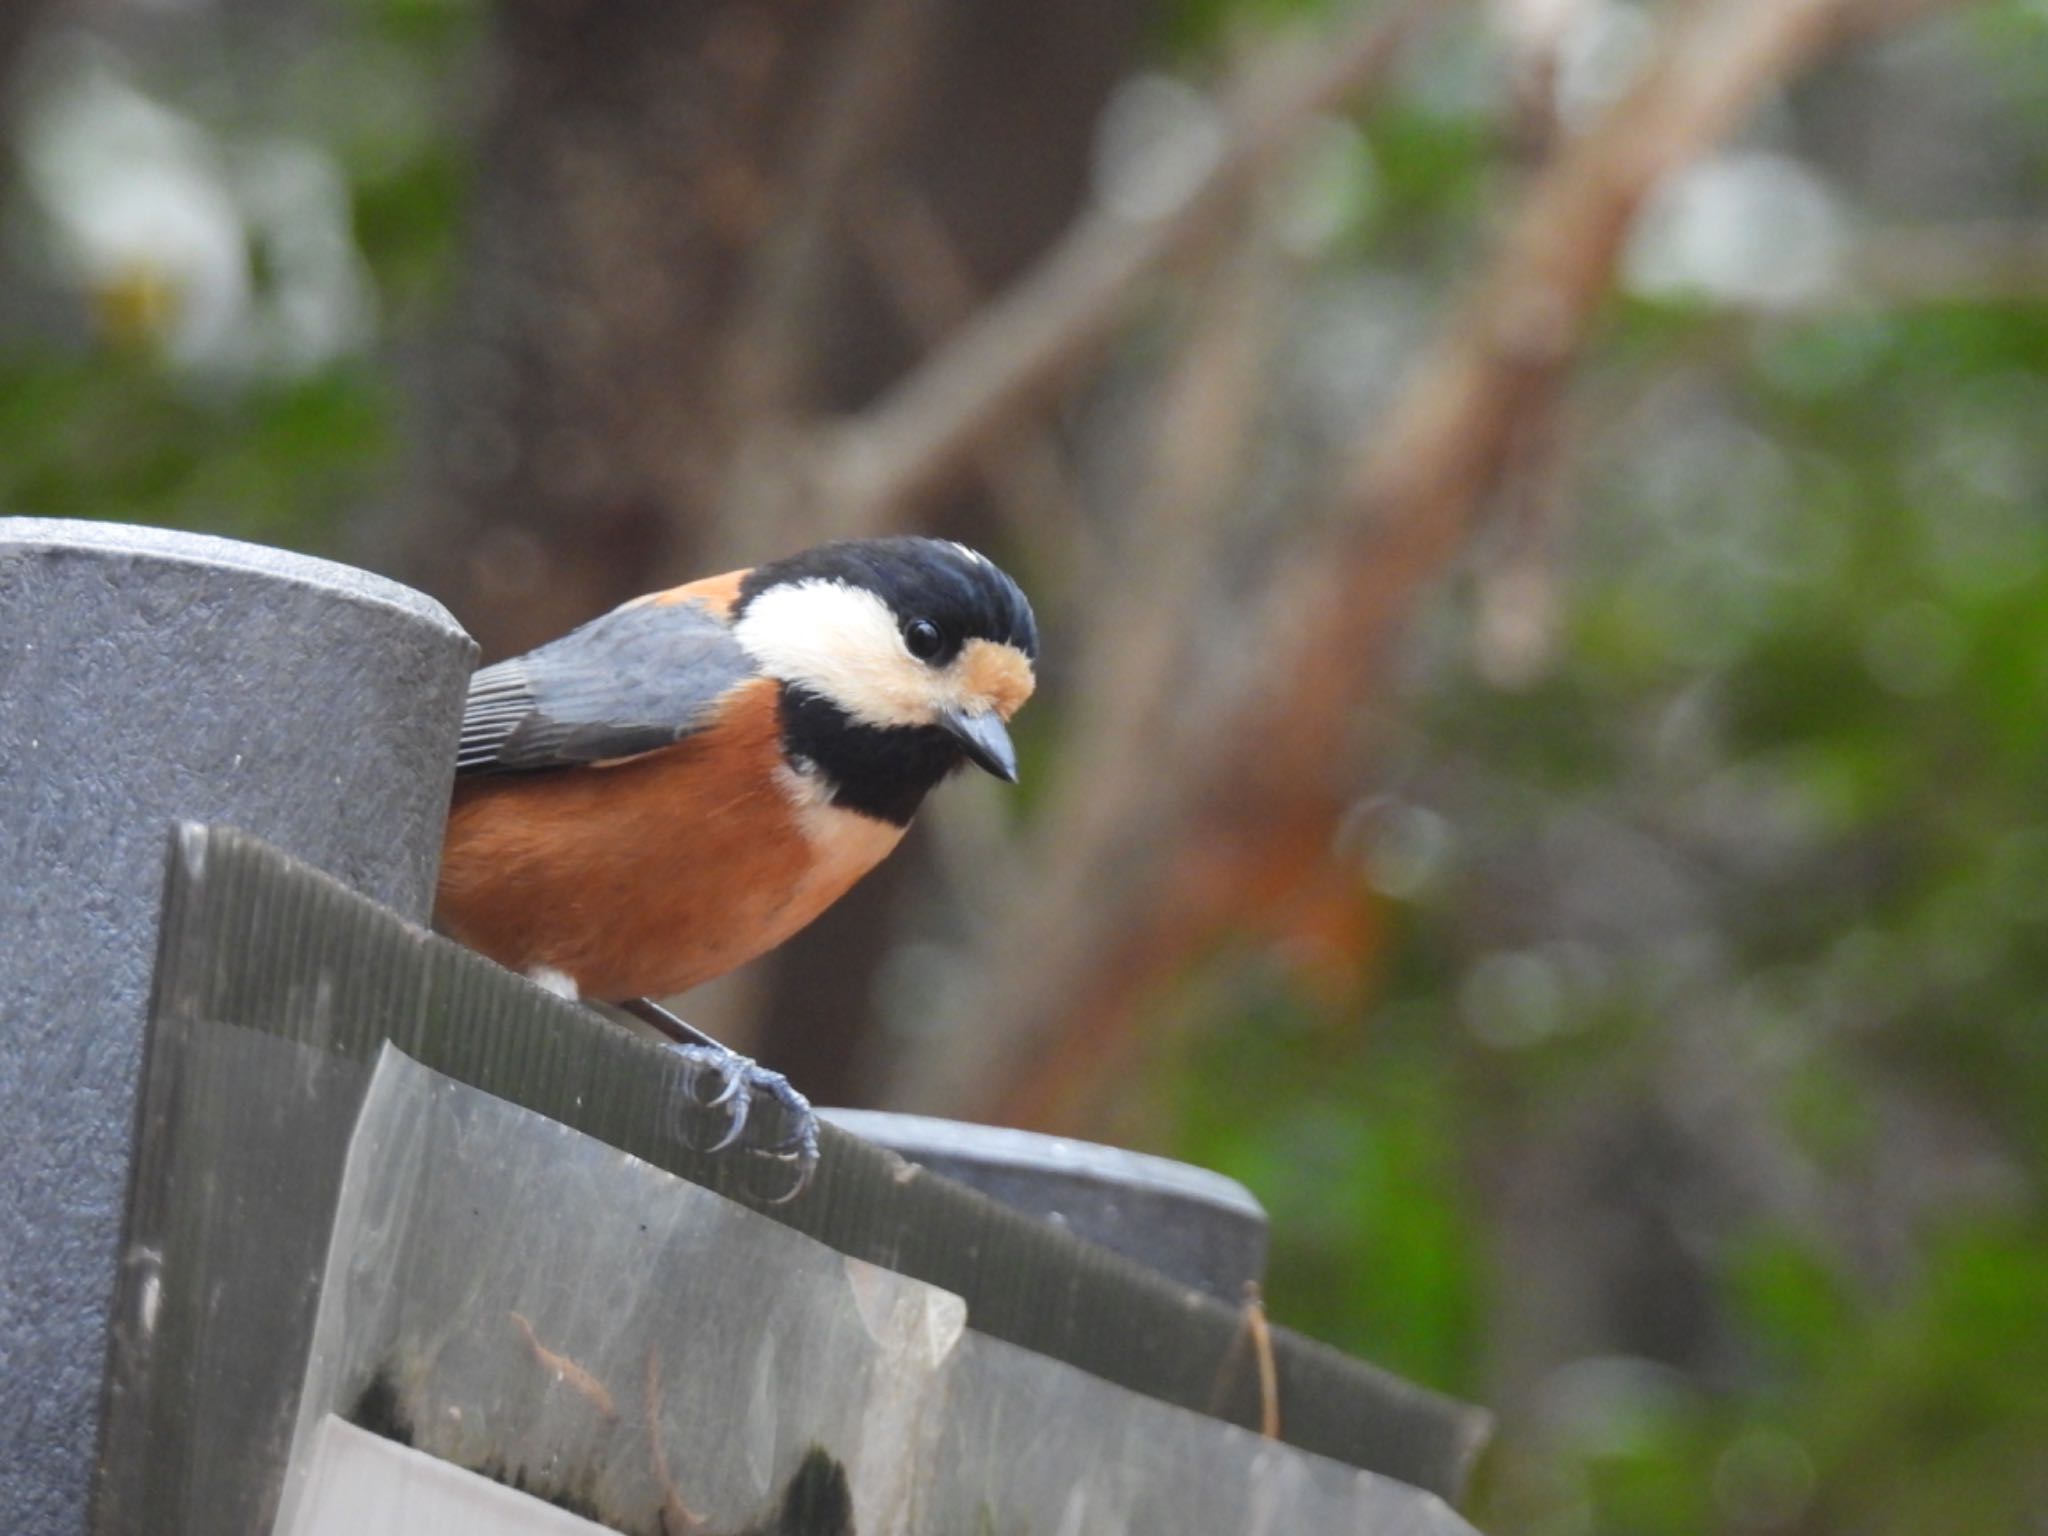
[[1539, 514]]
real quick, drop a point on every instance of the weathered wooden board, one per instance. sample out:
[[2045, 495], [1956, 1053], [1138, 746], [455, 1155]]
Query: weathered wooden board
[[276, 986]]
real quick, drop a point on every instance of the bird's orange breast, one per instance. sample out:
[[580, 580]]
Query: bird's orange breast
[[647, 877]]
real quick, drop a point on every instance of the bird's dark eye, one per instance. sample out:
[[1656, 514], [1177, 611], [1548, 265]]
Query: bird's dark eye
[[923, 638]]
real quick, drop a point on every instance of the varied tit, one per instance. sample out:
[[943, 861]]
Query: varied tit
[[685, 782]]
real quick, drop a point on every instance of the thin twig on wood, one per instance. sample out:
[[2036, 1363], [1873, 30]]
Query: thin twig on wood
[[1254, 1338], [1262, 1354]]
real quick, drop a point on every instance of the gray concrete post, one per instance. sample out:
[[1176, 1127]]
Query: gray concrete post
[[147, 676]]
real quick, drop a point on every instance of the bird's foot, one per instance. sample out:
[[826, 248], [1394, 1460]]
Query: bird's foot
[[729, 1101]]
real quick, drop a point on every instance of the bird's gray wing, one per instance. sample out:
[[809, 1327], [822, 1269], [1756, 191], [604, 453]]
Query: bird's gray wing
[[641, 677]]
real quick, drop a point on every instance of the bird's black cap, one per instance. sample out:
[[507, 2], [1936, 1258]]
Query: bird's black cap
[[965, 594]]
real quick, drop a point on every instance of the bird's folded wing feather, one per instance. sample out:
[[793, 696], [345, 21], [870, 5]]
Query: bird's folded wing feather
[[640, 678]]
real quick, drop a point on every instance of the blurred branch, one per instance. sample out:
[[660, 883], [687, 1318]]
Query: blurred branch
[[1995, 263], [1242, 815], [919, 266], [1536, 32], [1515, 602], [868, 91], [1143, 620], [1021, 347], [923, 273], [998, 144], [20, 21]]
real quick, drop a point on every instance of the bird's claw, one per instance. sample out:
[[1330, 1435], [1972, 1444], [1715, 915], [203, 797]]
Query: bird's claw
[[726, 1075], [733, 1093], [801, 1155], [763, 1113]]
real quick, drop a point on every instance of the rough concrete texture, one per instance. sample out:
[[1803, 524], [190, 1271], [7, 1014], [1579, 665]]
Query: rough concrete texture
[[147, 676]]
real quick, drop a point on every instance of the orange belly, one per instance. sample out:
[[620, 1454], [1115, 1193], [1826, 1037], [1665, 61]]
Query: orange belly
[[644, 879]]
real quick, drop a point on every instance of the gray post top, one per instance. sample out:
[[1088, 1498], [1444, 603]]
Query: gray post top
[[1198, 1226], [150, 676], [918, 1137], [202, 549]]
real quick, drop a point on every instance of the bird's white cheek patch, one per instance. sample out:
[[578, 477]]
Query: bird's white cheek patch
[[841, 642]]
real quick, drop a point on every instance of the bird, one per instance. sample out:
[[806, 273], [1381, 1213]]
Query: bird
[[683, 783]]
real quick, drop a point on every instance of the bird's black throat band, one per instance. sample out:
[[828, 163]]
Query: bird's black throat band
[[879, 771]]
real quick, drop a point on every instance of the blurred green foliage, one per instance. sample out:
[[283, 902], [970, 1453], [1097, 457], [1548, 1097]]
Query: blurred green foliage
[[282, 461], [1795, 722], [1735, 910], [97, 419]]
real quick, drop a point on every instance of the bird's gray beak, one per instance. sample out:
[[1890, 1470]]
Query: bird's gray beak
[[984, 740]]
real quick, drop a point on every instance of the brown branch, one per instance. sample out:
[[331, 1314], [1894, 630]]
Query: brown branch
[[1515, 602], [1142, 619], [1243, 828], [1536, 33], [866, 93], [1989, 263], [919, 267], [1138, 619], [1143, 622], [765, 497], [1023, 346], [18, 22]]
